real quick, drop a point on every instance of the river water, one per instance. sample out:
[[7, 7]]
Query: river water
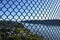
[[47, 31]]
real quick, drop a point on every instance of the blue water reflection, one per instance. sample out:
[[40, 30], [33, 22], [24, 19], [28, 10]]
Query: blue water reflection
[[48, 32]]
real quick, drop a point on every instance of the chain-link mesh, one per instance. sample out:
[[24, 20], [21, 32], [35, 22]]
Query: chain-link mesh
[[20, 10]]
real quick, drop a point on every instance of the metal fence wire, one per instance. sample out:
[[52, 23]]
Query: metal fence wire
[[20, 10]]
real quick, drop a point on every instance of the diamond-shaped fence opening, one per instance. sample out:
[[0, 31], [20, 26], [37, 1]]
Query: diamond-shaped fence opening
[[22, 10]]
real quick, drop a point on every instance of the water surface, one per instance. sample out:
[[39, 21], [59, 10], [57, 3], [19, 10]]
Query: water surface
[[47, 31]]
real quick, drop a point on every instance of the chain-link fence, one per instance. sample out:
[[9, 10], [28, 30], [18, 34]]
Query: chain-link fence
[[20, 10], [29, 9]]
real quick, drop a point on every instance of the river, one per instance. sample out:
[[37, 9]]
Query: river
[[47, 31]]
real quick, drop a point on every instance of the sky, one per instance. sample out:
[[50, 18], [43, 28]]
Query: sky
[[29, 9]]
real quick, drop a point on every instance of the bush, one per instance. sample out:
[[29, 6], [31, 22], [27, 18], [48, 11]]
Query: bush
[[20, 33]]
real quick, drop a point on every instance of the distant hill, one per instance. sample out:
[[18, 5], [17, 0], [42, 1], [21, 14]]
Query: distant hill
[[45, 22]]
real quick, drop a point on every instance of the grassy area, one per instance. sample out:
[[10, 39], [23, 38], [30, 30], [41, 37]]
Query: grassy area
[[16, 32]]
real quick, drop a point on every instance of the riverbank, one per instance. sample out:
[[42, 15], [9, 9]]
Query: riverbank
[[10, 30]]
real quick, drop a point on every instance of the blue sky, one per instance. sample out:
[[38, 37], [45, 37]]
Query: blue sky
[[29, 9]]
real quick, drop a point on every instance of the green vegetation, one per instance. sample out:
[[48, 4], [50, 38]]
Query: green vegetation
[[17, 32]]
